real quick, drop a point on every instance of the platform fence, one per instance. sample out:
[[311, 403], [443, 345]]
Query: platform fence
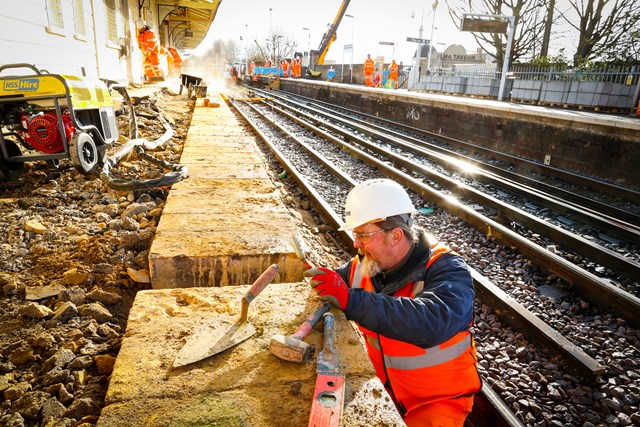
[[604, 88]]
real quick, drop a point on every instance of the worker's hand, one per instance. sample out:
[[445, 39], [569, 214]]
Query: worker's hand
[[329, 286]]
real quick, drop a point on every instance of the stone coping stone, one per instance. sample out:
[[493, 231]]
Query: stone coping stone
[[226, 222], [245, 385]]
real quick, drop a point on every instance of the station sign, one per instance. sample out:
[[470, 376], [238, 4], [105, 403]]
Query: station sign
[[480, 25], [388, 43], [417, 40]]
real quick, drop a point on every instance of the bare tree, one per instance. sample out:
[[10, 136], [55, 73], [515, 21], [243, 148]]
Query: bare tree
[[529, 23], [231, 51], [277, 46], [551, 6], [601, 25], [628, 47]]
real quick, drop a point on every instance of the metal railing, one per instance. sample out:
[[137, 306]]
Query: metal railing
[[628, 75], [610, 88]]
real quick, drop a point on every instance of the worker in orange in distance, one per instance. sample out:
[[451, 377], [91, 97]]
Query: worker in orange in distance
[[296, 68], [393, 74], [412, 298], [285, 68], [150, 48], [369, 67]]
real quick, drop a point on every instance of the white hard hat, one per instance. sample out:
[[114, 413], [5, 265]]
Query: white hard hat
[[375, 199]]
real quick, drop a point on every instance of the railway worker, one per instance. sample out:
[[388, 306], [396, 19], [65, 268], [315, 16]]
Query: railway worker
[[369, 67], [285, 68], [393, 74], [412, 298], [296, 68]]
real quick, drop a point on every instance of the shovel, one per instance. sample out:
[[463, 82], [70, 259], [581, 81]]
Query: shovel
[[224, 333]]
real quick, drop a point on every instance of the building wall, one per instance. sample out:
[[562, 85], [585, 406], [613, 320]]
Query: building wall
[[34, 33]]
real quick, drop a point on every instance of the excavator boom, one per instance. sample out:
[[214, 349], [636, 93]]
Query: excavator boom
[[317, 56]]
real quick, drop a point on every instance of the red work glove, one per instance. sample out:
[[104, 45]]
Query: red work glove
[[329, 286]]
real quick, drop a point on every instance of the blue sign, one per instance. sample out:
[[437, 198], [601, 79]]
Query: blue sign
[[21, 85]]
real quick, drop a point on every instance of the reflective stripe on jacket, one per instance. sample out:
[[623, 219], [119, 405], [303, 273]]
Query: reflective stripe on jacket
[[415, 376]]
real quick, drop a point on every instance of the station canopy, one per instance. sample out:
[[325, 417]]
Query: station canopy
[[186, 21]]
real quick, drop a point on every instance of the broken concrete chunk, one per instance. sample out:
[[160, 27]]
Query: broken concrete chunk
[[105, 297], [74, 277], [35, 311], [37, 293], [65, 312], [35, 226], [139, 276], [95, 311]]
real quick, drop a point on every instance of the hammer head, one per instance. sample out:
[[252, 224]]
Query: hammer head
[[291, 348]]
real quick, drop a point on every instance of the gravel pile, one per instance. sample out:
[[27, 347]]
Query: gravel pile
[[74, 255]]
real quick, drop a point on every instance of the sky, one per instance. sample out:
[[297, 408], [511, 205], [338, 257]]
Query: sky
[[374, 22]]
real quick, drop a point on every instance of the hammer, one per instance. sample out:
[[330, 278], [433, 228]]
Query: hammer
[[293, 348]]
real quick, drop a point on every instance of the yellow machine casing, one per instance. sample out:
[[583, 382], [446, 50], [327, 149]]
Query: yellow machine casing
[[85, 93]]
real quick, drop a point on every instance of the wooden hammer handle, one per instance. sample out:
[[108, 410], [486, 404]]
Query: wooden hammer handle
[[261, 282]]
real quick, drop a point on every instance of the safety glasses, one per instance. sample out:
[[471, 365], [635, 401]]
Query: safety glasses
[[366, 237]]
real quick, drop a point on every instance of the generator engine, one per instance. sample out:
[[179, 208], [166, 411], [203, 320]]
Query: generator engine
[[50, 117], [42, 132]]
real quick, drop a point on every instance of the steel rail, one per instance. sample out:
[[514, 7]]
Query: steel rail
[[570, 240], [549, 194], [624, 224], [489, 406], [589, 286], [605, 187]]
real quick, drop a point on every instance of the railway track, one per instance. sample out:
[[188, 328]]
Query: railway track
[[551, 332]]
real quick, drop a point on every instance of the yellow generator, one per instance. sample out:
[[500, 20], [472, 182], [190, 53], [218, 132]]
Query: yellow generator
[[51, 117]]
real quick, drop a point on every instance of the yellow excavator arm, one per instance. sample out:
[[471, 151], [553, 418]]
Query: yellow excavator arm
[[317, 56]]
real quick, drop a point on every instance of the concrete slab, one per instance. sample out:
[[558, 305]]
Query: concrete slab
[[224, 224], [243, 386]]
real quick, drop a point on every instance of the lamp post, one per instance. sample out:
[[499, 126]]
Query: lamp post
[[271, 34], [308, 60], [442, 54], [414, 77], [308, 39], [246, 48], [433, 26], [353, 24]]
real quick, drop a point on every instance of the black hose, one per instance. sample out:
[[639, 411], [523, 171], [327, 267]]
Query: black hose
[[178, 172]]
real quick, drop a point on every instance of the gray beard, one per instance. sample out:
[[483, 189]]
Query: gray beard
[[369, 267]]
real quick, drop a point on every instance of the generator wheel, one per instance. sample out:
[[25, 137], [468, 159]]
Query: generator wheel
[[10, 171], [84, 153]]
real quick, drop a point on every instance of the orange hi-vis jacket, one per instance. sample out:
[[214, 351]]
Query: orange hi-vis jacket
[[416, 376], [150, 47], [296, 68], [369, 67], [393, 71], [148, 43]]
